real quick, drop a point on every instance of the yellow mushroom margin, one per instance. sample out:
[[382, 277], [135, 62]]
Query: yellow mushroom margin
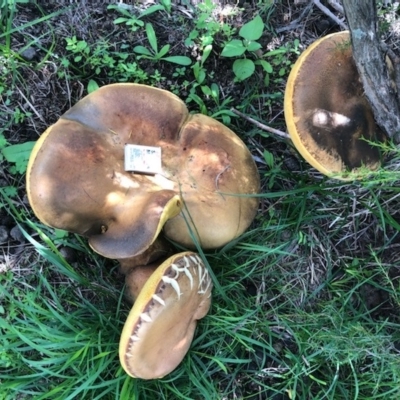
[[160, 326], [327, 115]]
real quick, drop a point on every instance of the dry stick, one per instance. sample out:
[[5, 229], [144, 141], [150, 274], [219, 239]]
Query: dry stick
[[334, 4], [328, 13], [31, 106], [294, 24], [260, 125]]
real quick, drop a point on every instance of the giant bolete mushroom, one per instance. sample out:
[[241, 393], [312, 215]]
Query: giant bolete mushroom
[[201, 192], [160, 326], [327, 115], [76, 177]]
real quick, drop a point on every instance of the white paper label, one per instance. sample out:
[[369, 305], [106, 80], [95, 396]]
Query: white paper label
[[144, 159]]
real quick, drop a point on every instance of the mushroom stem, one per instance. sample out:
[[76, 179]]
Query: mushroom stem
[[138, 269], [159, 249], [137, 277]]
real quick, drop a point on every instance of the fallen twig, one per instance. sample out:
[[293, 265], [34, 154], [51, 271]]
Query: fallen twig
[[330, 14], [294, 24], [30, 105], [335, 4], [260, 125]]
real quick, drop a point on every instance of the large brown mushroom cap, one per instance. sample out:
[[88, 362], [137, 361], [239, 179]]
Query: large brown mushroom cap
[[160, 327], [327, 115], [75, 182], [76, 179], [217, 179]]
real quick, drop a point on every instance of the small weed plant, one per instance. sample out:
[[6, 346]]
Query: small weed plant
[[16, 154], [248, 45], [99, 60], [207, 27], [156, 54], [135, 22]]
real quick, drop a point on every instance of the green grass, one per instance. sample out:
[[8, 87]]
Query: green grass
[[305, 304], [279, 325]]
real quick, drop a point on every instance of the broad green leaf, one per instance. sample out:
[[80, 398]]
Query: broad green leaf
[[243, 68], [199, 101], [192, 35], [269, 158], [164, 50], [167, 5], [220, 364], [16, 152], [206, 53], [92, 86], [253, 29], [81, 45], [133, 22], [142, 50], [224, 112], [214, 91], [253, 46], [206, 90], [181, 60], [201, 76], [151, 36], [60, 234], [120, 9], [196, 69], [199, 73], [120, 20], [267, 67], [234, 48], [151, 10], [275, 52]]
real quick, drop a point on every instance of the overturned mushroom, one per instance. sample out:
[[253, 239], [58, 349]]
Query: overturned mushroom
[[327, 115], [160, 326]]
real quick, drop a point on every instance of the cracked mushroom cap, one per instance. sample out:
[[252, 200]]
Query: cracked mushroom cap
[[160, 327], [76, 178], [327, 115]]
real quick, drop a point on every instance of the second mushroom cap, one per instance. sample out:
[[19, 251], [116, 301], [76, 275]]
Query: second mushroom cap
[[327, 115]]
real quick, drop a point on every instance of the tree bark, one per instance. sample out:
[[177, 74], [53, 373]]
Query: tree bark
[[379, 85]]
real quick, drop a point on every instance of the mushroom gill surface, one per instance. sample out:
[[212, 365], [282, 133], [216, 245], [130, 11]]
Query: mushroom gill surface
[[160, 327], [327, 114]]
